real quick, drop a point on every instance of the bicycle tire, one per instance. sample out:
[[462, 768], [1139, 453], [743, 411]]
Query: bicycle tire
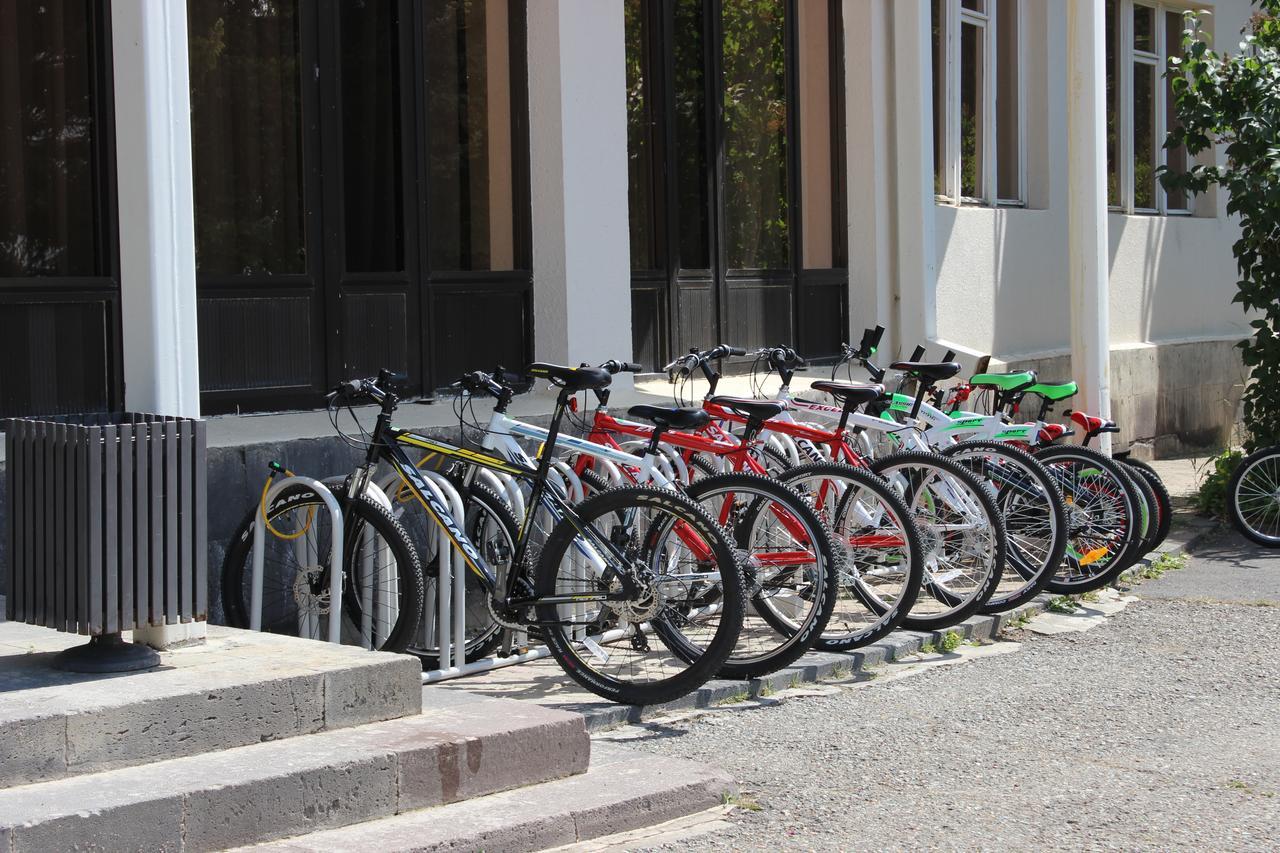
[[1075, 576], [820, 580], [1263, 499], [1164, 501], [889, 615], [702, 661], [237, 568], [1034, 571], [960, 608]]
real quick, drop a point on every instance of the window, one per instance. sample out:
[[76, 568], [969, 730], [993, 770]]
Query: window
[[978, 102], [50, 142], [1140, 39]]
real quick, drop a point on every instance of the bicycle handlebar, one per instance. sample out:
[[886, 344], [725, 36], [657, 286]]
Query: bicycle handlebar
[[615, 367]]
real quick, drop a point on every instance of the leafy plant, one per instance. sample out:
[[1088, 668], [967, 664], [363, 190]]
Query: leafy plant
[[927, 648], [1211, 497], [1062, 604], [1233, 100], [951, 641]]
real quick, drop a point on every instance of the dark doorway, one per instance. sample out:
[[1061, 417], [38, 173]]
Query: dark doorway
[[736, 175], [361, 193]]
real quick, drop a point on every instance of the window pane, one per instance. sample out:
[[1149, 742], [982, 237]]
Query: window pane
[[47, 199], [975, 5], [691, 137], [939, 96], [972, 119], [470, 189], [1175, 157], [755, 120], [1113, 110], [246, 114], [371, 137], [1144, 135], [1008, 148], [640, 147], [817, 178], [1144, 28]]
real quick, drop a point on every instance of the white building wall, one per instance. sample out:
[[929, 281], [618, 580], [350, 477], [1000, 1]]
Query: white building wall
[[1001, 286]]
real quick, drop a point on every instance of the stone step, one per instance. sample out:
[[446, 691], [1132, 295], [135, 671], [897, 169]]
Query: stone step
[[303, 784], [238, 688], [623, 790]]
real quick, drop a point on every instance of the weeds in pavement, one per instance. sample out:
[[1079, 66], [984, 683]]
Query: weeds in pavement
[[1062, 604], [1091, 596], [927, 648], [734, 698], [742, 800], [766, 690], [951, 641], [1163, 563], [1020, 620], [1238, 785], [1211, 498]]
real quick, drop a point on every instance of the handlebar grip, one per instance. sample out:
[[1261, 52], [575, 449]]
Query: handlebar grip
[[631, 367], [734, 350]]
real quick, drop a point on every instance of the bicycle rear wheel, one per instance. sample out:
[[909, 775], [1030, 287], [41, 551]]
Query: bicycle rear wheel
[[383, 575], [1164, 501], [671, 636]]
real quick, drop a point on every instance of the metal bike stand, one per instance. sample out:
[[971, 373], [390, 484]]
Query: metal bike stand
[[335, 554]]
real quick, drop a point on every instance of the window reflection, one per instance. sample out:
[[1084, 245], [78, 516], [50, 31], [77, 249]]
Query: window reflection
[[48, 225], [246, 146], [468, 107]]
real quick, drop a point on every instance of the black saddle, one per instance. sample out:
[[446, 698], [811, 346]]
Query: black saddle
[[572, 378], [850, 394], [928, 371], [671, 417], [751, 409]]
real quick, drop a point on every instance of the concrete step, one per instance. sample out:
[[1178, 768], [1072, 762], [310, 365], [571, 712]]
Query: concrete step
[[623, 790], [303, 784], [238, 688]]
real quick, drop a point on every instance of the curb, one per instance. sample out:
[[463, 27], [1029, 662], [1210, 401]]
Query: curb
[[816, 667]]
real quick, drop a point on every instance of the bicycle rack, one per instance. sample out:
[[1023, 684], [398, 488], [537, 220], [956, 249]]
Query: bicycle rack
[[335, 554]]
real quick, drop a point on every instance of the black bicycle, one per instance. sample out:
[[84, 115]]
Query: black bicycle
[[637, 592]]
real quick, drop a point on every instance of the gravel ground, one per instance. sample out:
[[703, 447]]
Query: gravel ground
[[1156, 730]]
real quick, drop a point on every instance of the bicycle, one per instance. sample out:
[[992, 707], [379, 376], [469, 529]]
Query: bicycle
[[637, 592]]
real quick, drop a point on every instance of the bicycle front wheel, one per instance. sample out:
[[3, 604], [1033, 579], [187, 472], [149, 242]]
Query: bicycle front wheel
[[382, 588], [878, 550], [788, 563], [1253, 497], [670, 625]]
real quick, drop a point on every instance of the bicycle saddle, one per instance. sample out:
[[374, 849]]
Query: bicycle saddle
[[1092, 424], [931, 371], [1054, 390], [671, 417], [572, 378], [850, 394], [751, 409], [1014, 380]]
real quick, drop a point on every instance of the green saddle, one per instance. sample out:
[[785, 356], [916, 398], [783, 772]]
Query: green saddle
[[1054, 390], [1003, 381]]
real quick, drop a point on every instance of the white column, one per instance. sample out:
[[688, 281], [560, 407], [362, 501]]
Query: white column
[[157, 225], [578, 162], [915, 250], [868, 151], [1087, 267]]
